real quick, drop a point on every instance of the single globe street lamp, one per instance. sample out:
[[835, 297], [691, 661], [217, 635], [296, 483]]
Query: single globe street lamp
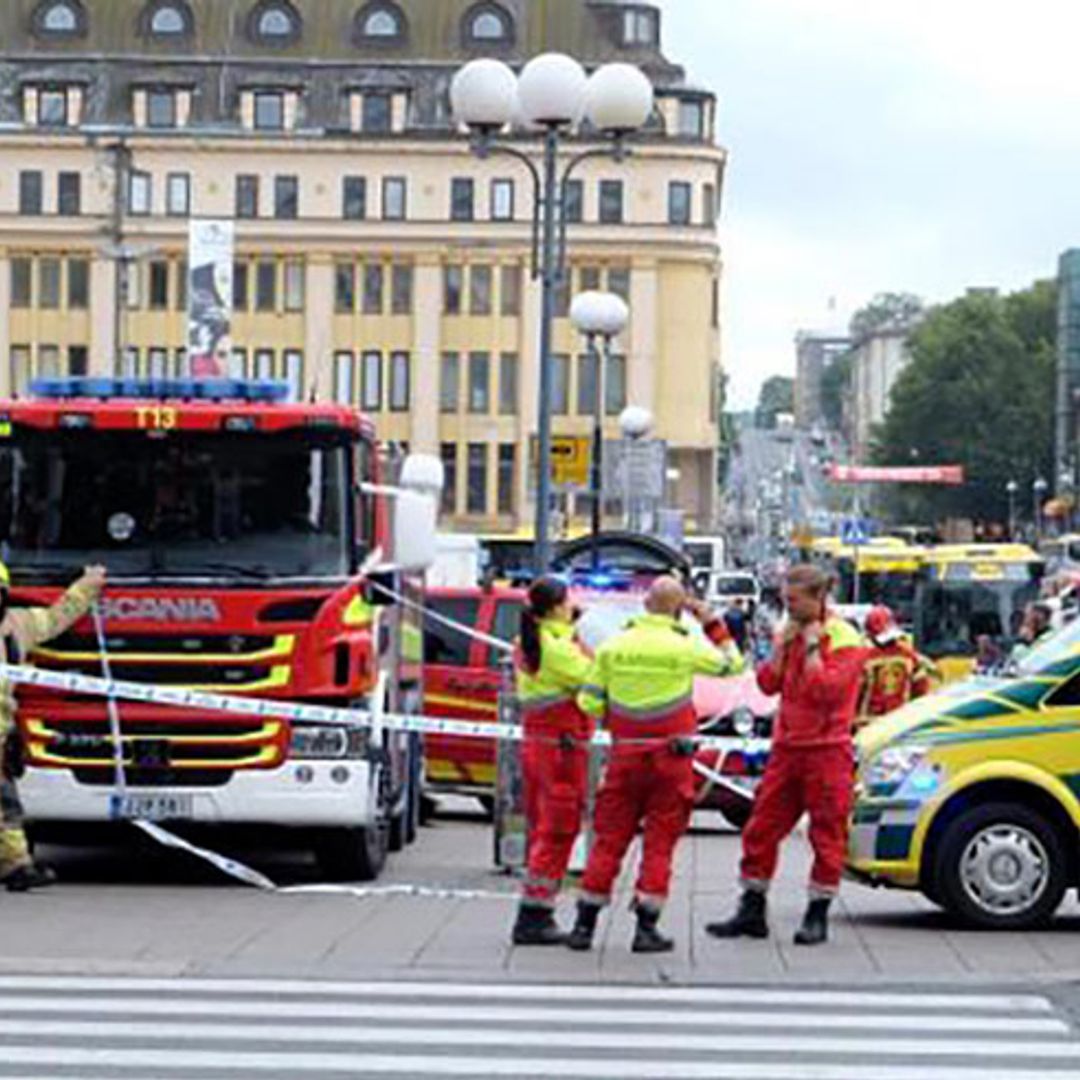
[[552, 94], [600, 315], [635, 423], [1011, 489]]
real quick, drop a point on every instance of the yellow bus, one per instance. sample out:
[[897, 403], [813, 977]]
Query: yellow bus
[[888, 573]]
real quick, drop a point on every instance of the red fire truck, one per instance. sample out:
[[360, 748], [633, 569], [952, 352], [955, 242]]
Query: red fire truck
[[252, 549]]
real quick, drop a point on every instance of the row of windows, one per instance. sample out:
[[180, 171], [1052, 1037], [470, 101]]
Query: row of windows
[[50, 283], [44, 361], [476, 284], [477, 463], [372, 279], [373, 381]]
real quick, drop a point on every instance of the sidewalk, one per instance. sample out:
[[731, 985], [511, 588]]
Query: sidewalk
[[192, 925]]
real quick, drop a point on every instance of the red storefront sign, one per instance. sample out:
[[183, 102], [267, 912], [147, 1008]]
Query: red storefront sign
[[897, 474]]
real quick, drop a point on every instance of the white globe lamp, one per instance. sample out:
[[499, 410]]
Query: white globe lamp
[[635, 422], [552, 90], [619, 98], [483, 95]]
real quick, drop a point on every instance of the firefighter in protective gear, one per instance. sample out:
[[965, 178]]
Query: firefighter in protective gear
[[551, 669], [816, 668], [894, 672], [641, 685], [21, 629]]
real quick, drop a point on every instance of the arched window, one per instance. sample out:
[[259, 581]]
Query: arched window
[[62, 18], [167, 19], [382, 23], [274, 22], [487, 24]]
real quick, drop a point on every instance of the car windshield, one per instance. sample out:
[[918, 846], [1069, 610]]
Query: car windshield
[[202, 504], [734, 586], [955, 616], [1058, 646]]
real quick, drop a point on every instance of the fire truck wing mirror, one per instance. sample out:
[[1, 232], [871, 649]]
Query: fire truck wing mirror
[[381, 588], [423, 473], [415, 518]]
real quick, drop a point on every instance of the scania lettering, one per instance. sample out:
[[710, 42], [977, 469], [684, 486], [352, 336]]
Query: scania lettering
[[240, 534]]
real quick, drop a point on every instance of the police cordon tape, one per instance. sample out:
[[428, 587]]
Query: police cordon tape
[[331, 716]]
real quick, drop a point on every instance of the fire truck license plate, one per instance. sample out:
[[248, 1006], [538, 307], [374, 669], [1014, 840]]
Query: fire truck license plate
[[156, 807]]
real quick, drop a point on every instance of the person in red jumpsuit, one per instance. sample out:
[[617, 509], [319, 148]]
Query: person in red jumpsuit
[[551, 668], [816, 668], [894, 672]]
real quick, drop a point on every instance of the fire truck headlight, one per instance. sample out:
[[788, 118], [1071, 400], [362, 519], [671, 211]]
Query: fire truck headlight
[[315, 742]]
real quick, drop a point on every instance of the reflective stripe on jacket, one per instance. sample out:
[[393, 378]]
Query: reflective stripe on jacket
[[642, 681], [548, 696]]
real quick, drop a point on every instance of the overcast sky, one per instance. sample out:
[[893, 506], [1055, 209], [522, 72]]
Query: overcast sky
[[877, 145]]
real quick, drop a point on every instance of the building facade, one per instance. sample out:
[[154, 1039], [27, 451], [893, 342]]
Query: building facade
[[877, 361], [815, 350], [377, 261]]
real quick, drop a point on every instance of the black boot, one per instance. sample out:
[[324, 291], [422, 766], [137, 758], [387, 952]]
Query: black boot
[[647, 939], [32, 876], [815, 924], [536, 926], [580, 939], [748, 920]]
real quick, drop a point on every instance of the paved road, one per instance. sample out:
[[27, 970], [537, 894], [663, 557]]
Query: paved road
[[178, 1028]]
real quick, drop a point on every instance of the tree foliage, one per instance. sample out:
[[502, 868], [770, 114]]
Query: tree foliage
[[887, 311], [978, 392], [777, 396]]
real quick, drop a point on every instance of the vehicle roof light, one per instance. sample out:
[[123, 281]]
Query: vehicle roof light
[[243, 390]]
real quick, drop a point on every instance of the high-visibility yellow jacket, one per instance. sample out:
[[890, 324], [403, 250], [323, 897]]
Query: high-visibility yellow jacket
[[548, 695], [642, 681]]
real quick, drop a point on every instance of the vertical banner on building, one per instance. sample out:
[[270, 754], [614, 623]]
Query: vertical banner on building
[[210, 288]]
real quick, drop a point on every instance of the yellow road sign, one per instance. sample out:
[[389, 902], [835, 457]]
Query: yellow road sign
[[570, 456]]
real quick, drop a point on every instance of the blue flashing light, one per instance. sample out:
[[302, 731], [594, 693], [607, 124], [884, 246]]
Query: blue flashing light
[[264, 391]]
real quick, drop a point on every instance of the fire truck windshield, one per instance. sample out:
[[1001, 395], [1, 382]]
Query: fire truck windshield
[[209, 505]]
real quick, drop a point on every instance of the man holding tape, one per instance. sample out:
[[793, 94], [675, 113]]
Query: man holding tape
[[641, 685], [21, 630]]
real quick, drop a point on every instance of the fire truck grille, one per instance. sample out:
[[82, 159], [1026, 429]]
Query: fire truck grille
[[154, 777], [195, 645], [238, 675]]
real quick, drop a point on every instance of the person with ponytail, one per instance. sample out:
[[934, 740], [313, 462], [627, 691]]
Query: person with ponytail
[[551, 668]]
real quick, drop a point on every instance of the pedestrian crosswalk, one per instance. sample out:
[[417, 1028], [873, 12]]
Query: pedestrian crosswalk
[[175, 1029]]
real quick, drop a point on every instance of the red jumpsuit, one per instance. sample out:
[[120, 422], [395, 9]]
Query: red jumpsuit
[[555, 760], [811, 762], [642, 685], [893, 674]]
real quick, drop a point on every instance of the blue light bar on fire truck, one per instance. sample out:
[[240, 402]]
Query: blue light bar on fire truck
[[243, 390]]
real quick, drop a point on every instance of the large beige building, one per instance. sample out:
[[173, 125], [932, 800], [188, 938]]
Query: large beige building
[[377, 261]]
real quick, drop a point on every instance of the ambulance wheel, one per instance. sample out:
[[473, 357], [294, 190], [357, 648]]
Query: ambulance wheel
[[1001, 866], [357, 854]]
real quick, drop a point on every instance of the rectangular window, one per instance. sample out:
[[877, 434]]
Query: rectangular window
[[131, 285], [53, 108], [589, 278], [161, 109], [394, 198], [21, 271], [476, 489], [618, 281], [264, 363], [247, 196], [480, 290], [159, 363], [399, 381], [266, 286], [294, 373], [510, 291], [401, 289], [178, 194], [615, 385], [453, 285], [680, 202], [286, 197], [586, 384], [448, 453], [140, 193], [238, 368], [240, 286], [692, 119], [462, 192], [48, 361], [376, 112], [574, 202], [31, 200], [611, 202], [69, 194], [49, 283], [294, 285], [19, 361], [449, 382], [158, 290], [354, 198], [373, 288], [181, 285], [344, 378], [269, 111], [371, 381], [344, 288], [479, 382], [640, 27], [508, 384], [129, 365], [560, 385], [77, 360], [562, 296], [78, 284], [506, 478], [502, 200], [715, 320], [708, 204]]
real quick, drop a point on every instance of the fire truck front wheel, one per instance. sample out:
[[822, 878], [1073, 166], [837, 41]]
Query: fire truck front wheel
[[356, 854]]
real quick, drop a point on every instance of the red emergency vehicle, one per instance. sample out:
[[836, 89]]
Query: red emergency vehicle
[[242, 535]]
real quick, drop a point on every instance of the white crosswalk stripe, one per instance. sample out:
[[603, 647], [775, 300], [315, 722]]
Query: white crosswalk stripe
[[191, 1029]]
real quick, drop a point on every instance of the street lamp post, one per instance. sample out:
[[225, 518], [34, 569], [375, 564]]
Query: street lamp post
[[635, 423], [598, 315], [1038, 491], [1011, 488], [552, 94]]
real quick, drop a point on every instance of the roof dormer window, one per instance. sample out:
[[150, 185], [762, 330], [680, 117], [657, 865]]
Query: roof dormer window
[[60, 18], [381, 22], [168, 19], [274, 22], [488, 24], [640, 27]]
